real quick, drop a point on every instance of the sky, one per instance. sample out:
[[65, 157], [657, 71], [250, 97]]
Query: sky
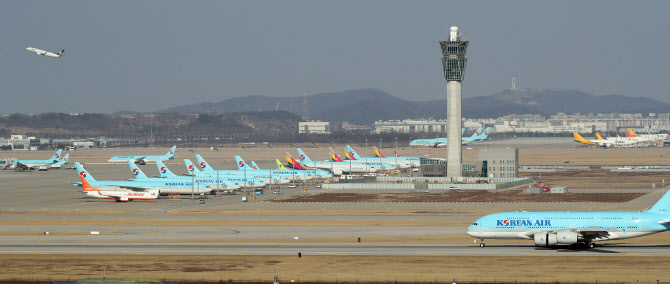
[[150, 55]]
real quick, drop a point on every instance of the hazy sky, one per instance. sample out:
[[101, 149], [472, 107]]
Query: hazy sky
[[149, 55]]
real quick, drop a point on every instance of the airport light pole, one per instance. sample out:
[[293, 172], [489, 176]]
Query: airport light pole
[[366, 157], [410, 156], [315, 163], [396, 153], [380, 155], [193, 175], [245, 170], [271, 169], [454, 269], [104, 270], [658, 270], [218, 167]]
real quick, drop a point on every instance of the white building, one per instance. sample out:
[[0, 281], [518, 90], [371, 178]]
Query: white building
[[314, 127]]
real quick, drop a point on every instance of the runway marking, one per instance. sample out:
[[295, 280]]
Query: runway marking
[[76, 209], [411, 219], [34, 252], [338, 219], [415, 235], [265, 219], [258, 209], [192, 218], [64, 218], [27, 218]]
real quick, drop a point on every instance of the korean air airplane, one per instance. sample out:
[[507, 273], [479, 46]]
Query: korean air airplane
[[164, 186], [442, 142], [34, 164], [400, 162], [164, 171], [548, 229], [434, 142], [299, 175], [62, 162], [231, 175], [142, 160], [337, 168], [375, 163]]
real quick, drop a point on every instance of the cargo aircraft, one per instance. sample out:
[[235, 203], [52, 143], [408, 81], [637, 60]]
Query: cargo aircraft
[[142, 160], [549, 229]]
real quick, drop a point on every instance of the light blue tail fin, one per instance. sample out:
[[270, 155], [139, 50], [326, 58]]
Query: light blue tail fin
[[170, 153], [353, 153], [56, 156], [303, 156], [241, 164], [164, 171], [65, 159], [254, 166], [485, 134], [83, 172], [477, 133], [204, 166], [663, 204], [135, 170]]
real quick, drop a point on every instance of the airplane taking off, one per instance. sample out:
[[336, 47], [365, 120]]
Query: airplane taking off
[[33, 164], [142, 160], [573, 228], [46, 53], [119, 195]]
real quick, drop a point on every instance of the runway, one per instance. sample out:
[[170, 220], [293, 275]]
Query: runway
[[349, 249]]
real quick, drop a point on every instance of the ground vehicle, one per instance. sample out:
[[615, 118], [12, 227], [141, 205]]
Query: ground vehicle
[[277, 192], [258, 191], [292, 186]]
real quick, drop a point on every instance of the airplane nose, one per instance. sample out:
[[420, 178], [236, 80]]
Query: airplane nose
[[471, 232]]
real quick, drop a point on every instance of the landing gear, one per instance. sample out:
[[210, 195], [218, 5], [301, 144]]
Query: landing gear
[[591, 245], [481, 243]]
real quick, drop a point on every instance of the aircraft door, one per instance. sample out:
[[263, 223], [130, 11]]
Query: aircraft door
[[627, 219], [597, 219]]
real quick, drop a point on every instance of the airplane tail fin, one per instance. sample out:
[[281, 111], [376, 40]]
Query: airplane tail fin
[[170, 153], [485, 134], [83, 172], [279, 165], [241, 164], [135, 170], [580, 139], [61, 52], [87, 186], [663, 204], [164, 171], [56, 156], [631, 132], [347, 155], [396, 154], [292, 162], [204, 166], [334, 155], [254, 166], [66, 158], [190, 167], [477, 133], [377, 152], [598, 136], [303, 156], [352, 153]]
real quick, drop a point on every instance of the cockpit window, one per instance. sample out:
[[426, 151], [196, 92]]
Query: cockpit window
[[474, 224]]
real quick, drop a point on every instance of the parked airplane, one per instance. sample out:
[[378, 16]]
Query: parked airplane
[[609, 142], [280, 166], [571, 228], [164, 186], [34, 164], [337, 168], [266, 176], [142, 160], [119, 195], [401, 163], [62, 162], [167, 175], [290, 174], [46, 53], [414, 160], [249, 181], [327, 164], [442, 142]]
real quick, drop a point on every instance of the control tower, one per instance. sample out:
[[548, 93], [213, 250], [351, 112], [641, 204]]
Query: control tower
[[453, 64]]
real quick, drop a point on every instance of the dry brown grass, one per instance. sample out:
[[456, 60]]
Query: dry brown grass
[[337, 268]]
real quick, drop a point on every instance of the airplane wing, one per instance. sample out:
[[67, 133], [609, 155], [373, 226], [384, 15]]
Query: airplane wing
[[664, 222], [134, 188], [589, 233]]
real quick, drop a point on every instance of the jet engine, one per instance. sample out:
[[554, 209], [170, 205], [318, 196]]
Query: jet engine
[[545, 239], [567, 237]]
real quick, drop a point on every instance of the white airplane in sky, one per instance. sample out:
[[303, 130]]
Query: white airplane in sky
[[46, 53]]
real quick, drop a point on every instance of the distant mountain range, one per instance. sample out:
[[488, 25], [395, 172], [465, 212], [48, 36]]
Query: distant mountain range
[[365, 106]]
